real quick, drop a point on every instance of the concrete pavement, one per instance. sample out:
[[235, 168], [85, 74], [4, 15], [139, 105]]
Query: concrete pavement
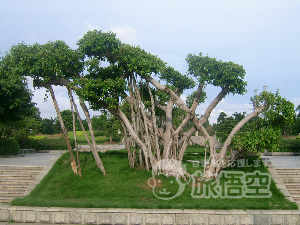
[[34, 159], [284, 162]]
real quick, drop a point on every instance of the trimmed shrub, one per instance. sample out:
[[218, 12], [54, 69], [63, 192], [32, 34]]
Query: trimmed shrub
[[26, 142], [99, 133], [53, 144], [9, 146], [45, 144], [289, 145]]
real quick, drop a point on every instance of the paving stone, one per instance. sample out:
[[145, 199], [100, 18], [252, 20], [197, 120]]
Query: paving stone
[[90, 218], [135, 218], [46, 217], [17, 216], [105, 218], [30, 217], [215, 219], [230, 219], [292, 219], [183, 219], [152, 219], [4, 215], [75, 217], [277, 219], [260, 219], [199, 219], [60, 217], [245, 219], [168, 218], [120, 218]]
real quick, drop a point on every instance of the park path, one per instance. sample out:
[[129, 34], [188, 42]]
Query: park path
[[286, 174], [20, 174]]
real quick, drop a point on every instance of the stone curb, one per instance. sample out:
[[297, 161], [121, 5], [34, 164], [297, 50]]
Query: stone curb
[[280, 154], [56, 215]]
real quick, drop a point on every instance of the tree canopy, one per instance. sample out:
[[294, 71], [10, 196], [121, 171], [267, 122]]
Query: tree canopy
[[128, 82]]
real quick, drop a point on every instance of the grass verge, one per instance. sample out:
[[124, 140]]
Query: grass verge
[[125, 187]]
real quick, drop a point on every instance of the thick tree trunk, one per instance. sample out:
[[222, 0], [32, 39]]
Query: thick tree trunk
[[72, 103], [73, 162], [94, 148], [219, 160]]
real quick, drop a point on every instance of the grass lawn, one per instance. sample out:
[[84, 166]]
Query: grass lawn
[[125, 187], [100, 139]]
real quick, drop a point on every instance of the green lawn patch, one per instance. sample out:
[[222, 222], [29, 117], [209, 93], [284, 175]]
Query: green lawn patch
[[125, 187], [100, 140]]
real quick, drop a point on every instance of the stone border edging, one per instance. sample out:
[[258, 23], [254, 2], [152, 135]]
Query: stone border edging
[[56, 215], [281, 154]]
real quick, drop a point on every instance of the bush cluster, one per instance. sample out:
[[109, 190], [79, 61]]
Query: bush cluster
[[45, 144], [9, 146], [99, 133], [289, 145]]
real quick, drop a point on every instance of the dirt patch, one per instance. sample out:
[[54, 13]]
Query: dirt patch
[[148, 184]]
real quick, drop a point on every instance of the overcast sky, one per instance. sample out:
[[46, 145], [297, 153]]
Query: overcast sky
[[261, 35]]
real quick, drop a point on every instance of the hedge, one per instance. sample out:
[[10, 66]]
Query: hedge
[[46, 144], [9, 146], [289, 145]]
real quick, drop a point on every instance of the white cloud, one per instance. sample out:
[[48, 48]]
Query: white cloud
[[89, 26], [125, 33]]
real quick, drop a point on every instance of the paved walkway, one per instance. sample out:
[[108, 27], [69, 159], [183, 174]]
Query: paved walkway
[[34, 159], [284, 162]]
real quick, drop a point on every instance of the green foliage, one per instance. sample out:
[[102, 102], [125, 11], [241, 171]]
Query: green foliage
[[27, 142], [190, 98], [99, 45], [221, 74], [50, 126], [99, 122], [45, 62], [46, 144], [256, 141], [225, 124], [289, 145], [176, 79], [53, 144], [99, 133], [9, 146], [15, 97], [280, 115], [108, 90]]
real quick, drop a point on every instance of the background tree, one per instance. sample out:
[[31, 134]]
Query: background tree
[[50, 126], [15, 97], [99, 122], [112, 127]]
